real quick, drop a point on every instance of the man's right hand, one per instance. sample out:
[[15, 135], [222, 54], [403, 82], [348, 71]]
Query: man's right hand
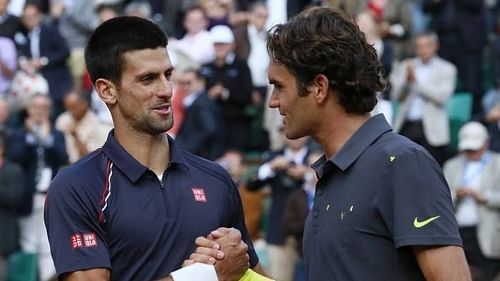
[[224, 248]]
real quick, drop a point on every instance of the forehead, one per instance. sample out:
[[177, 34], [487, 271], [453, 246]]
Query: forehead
[[424, 39], [279, 72], [146, 60], [40, 101]]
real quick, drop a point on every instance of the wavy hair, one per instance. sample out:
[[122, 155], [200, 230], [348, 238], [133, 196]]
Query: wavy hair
[[327, 41]]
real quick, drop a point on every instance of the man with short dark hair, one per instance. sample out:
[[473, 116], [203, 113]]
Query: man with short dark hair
[[133, 209]]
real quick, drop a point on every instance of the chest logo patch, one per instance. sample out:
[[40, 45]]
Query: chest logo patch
[[199, 194], [86, 240]]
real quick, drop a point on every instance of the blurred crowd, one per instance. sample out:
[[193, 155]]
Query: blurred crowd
[[431, 51]]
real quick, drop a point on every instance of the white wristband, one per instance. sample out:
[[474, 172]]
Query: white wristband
[[197, 271]]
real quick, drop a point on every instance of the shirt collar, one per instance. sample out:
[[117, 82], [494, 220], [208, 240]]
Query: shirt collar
[[132, 168], [370, 131]]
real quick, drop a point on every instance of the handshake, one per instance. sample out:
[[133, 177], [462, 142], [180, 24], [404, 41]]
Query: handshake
[[223, 255]]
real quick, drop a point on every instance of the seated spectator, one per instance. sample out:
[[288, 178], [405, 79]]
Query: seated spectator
[[474, 178], [201, 131], [83, 131], [11, 193]]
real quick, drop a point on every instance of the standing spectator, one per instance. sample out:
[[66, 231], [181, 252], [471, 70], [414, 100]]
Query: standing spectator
[[461, 27], [229, 83], [40, 150], [8, 64], [422, 86], [284, 171], [201, 131], [9, 24], [77, 20], [83, 131], [474, 181], [196, 45], [250, 46], [46, 51], [11, 192]]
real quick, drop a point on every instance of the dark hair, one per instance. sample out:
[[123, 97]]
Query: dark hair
[[327, 41], [113, 38]]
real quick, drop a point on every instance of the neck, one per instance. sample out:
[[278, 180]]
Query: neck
[[338, 130], [152, 151]]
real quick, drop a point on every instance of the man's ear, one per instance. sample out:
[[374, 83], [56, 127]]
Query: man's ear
[[320, 88], [106, 90]]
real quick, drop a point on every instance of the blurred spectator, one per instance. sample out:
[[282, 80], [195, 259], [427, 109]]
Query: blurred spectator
[[9, 24], [107, 11], [281, 10], [11, 192], [83, 131], [46, 51], [5, 119], [351, 7], [140, 9], [8, 64], [422, 86], [367, 24], [233, 162], [460, 25], [250, 45], [201, 131], [77, 19], [217, 11], [229, 83], [196, 46], [474, 181], [297, 207], [273, 124], [285, 172], [39, 149], [395, 19]]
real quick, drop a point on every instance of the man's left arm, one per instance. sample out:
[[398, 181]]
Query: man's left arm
[[430, 259]]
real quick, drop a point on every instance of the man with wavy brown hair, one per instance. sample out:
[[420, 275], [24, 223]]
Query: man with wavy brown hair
[[382, 209]]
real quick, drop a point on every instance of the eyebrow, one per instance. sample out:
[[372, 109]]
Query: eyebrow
[[154, 73]]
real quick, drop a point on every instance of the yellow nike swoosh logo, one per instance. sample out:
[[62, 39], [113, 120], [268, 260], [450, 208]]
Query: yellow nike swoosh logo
[[419, 224]]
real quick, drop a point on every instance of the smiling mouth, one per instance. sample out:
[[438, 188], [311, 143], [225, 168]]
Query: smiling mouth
[[163, 109]]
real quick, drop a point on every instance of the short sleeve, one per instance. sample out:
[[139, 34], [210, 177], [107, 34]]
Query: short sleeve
[[416, 204], [77, 241], [238, 221]]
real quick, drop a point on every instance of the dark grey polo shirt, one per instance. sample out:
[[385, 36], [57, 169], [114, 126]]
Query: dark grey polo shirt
[[379, 194]]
